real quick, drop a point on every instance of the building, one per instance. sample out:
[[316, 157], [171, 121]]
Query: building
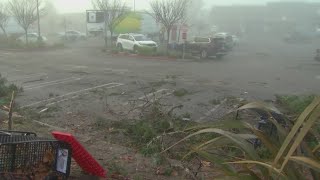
[[276, 17], [51, 24]]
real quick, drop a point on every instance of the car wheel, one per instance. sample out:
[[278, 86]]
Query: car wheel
[[135, 50], [204, 54], [120, 48]]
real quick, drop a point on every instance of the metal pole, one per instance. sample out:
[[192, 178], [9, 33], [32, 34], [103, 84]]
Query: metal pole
[[65, 25], [134, 5], [38, 14], [184, 50], [105, 28]]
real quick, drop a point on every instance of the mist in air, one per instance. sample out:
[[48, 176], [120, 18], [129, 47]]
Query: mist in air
[[159, 89]]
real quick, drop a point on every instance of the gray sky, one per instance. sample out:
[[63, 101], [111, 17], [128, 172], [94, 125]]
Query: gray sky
[[82, 5]]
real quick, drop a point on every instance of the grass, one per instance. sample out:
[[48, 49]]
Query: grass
[[143, 133], [58, 45], [158, 159], [116, 94], [137, 177], [295, 104], [214, 102], [158, 83], [173, 77], [147, 51], [101, 123], [6, 90], [26, 122], [181, 92], [115, 169], [162, 82], [186, 115]]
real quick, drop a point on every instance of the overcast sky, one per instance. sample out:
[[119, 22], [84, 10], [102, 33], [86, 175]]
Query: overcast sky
[[82, 5]]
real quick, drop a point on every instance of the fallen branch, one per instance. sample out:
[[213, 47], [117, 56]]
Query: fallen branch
[[10, 111]]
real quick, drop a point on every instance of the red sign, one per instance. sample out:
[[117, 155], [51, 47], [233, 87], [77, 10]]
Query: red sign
[[184, 36]]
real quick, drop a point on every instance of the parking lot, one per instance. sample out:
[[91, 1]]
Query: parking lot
[[72, 88], [81, 77]]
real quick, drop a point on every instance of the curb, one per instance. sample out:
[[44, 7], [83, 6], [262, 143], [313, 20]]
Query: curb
[[144, 57], [29, 50]]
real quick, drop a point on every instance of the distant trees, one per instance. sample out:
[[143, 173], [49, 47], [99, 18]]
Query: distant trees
[[25, 12], [4, 18], [51, 17], [115, 12], [197, 17], [168, 13]]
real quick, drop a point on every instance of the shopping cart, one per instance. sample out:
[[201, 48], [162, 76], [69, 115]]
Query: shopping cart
[[24, 155]]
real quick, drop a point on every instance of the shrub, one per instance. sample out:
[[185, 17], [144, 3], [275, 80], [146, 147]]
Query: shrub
[[147, 51], [114, 50], [10, 42], [180, 92], [294, 103], [6, 90], [58, 45], [285, 155]]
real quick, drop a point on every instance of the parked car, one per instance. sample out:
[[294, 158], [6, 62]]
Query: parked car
[[134, 42], [72, 35], [229, 41], [32, 38], [236, 40], [205, 47], [298, 37]]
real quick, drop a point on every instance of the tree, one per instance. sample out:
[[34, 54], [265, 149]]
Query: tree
[[25, 13], [115, 12], [4, 18], [168, 13]]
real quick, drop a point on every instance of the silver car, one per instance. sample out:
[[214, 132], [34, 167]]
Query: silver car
[[32, 38]]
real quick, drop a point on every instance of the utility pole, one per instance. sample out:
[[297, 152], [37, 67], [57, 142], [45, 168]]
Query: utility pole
[[38, 14], [65, 24], [134, 5]]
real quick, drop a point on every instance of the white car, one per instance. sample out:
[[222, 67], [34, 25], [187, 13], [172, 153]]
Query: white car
[[32, 38], [72, 35], [235, 39], [134, 42]]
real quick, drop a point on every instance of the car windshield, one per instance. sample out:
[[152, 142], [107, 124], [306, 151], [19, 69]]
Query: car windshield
[[201, 39], [141, 38]]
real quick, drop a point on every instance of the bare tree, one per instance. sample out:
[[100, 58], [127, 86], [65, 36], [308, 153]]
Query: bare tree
[[168, 13], [115, 12], [4, 18], [25, 13]]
